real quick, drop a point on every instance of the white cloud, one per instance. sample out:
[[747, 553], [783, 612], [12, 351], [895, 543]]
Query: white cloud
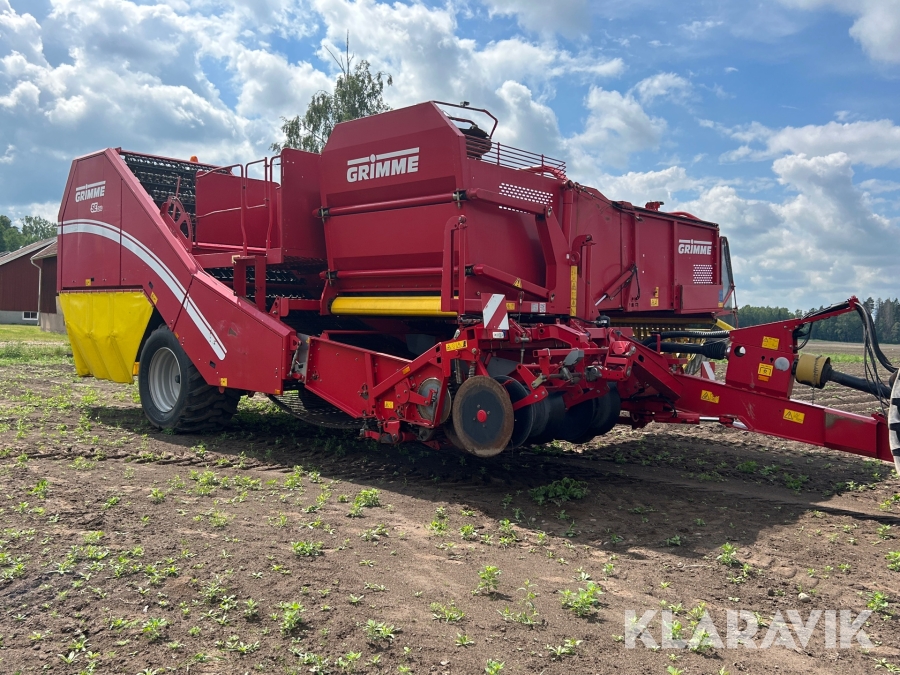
[[641, 187], [820, 245], [696, 29], [568, 17], [514, 77], [662, 85], [616, 127], [877, 24], [271, 85], [873, 143]]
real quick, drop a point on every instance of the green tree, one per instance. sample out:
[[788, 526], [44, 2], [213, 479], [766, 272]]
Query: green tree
[[35, 228], [357, 93]]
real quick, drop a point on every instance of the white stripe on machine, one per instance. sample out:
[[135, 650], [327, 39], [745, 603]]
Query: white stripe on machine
[[158, 266]]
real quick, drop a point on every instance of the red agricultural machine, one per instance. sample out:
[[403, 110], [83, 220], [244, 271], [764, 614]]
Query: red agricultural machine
[[419, 281]]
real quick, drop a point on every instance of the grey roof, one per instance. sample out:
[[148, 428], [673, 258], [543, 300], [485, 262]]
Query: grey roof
[[25, 250], [49, 252]]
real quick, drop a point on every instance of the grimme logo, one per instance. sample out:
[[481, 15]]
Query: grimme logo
[[380, 166], [90, 191], [692, 246]]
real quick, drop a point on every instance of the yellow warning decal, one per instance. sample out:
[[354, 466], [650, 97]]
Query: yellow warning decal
[[708, 396], [517, 283], [765, 372], [153, 297], [794, 416], [654, 302], [573, 302], [389, 405], [770, 343], [223, 381], [87, 282], [455, 346], [510, 306]]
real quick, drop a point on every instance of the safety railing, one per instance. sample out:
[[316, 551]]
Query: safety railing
[[243, 207], [507, 156]]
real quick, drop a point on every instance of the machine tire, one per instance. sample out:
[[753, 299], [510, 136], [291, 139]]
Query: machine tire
[[523, 418], [606, 415], [174, 394], [894, 423], [577, 421], [483, 437]]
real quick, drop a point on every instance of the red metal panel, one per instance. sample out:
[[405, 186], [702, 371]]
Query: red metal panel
[[153, 259], [94, 208], [254, 348], [219, 210], [302, 234], [693, 298], [201, 311], [418, 148]]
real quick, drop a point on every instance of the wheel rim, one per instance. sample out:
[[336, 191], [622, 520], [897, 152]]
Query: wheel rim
[[164, 379], [483, 416]]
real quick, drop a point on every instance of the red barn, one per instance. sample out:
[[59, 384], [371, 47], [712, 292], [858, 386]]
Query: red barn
[[20, 284]]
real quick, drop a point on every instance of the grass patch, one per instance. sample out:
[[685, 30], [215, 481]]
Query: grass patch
[[559, 491], [50, 353], [30, 334]]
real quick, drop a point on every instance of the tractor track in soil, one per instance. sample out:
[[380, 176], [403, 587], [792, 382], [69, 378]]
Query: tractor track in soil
[[661, 503]]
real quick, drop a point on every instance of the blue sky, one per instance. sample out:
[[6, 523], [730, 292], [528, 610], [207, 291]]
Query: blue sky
[[777, 119]]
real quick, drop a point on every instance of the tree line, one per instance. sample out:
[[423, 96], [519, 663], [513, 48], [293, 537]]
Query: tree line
[[843, 328], [32, 229]]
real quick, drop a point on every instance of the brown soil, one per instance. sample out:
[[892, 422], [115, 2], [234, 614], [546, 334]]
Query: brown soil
[[661, 504]]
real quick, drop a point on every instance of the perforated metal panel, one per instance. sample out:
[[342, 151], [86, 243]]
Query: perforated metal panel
[[703, 274], [519, 192]]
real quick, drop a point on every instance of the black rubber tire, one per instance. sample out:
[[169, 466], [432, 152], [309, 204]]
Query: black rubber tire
[[577, 421], [606, 415], [549, 420], [523, 418], [199, 406], [894, 423]]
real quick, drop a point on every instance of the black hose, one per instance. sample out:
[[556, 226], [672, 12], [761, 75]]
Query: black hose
[[650, 341], [863, 312], [860, 384], [712, 350]]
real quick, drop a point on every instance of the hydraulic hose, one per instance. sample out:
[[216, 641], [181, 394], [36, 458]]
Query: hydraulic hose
[[872, 335], [816, 371], [860, 384], [650, 341], [717, 350]]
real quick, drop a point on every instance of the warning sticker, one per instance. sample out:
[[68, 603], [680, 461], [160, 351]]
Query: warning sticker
[[765, 372], [455, 346], [539, 307], [654, 302], [153, 297], [794, 416], [708, 396], [389, 405], [517, 283], [510, 307], [573, 300], [770, 343]]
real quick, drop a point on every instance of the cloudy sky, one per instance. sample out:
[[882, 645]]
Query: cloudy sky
[[777, 119]]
